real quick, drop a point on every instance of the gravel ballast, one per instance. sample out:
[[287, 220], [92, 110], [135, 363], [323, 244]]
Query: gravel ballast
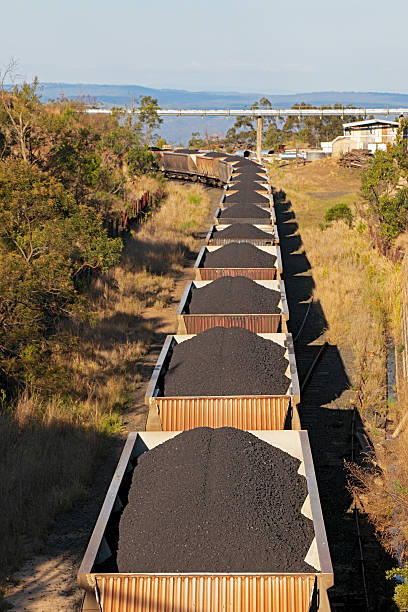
[[215, 500], [226, 361], [244, 211], [238, 255], [242, 230], [234, 295]]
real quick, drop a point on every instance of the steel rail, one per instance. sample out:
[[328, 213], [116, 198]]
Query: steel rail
[[268, 112], [304, 320], [355, 512], [310, 371]]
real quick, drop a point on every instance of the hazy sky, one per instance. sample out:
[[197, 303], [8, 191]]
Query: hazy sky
[[226, 45]]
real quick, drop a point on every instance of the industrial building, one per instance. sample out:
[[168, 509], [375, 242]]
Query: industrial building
[[371, 134]]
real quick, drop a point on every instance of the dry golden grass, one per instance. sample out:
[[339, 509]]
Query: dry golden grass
[[163, 241], [357, 287], [360, 293], [382, 491], [48, 450], [49, 446], [316, 187]]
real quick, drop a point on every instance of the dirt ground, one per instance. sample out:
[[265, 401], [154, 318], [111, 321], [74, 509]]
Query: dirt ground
[[47, 582]]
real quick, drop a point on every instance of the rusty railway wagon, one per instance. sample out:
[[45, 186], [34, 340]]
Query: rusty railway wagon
[[259, 323], [188, 165], [109, 590], [240, 411], [202, 273], [214, 239]]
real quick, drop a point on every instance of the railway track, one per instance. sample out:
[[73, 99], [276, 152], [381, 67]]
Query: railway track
[[327, 413]]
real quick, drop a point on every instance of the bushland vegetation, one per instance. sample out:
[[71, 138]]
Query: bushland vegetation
[[352, 226], [292, 131], [72, 295], [385, 189], [380, 484]]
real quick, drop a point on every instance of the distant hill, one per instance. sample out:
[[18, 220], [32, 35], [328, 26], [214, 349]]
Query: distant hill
[[179, 130], [180, 98]]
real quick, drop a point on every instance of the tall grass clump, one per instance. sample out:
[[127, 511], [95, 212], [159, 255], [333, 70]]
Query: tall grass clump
[[48, 451]]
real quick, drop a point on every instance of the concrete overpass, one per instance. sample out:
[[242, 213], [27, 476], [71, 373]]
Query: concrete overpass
[[260, 113]]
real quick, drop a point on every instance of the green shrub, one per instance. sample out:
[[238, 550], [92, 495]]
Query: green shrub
[[195, 199], [339, 212], [400, 574]]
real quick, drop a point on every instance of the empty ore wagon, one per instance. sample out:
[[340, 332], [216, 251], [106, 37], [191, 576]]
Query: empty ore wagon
[[256, 321], [239, 259], [243, 232], [200, 525], [224, 377], [185, 165]]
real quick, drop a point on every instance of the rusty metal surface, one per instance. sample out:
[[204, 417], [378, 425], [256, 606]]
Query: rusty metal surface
[[250, 412], [224, 171], [265, 323], [254, 273], [185, 163], [205, 593], [192, 167], [207, 166], [176, 162]]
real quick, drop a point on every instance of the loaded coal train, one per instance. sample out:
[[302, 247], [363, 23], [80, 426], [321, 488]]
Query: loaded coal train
[[215, 506]]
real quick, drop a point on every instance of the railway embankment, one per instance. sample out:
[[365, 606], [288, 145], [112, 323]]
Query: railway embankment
[[340, 284], [136, 310]]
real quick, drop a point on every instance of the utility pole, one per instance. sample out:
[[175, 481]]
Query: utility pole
[[259, 138]]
